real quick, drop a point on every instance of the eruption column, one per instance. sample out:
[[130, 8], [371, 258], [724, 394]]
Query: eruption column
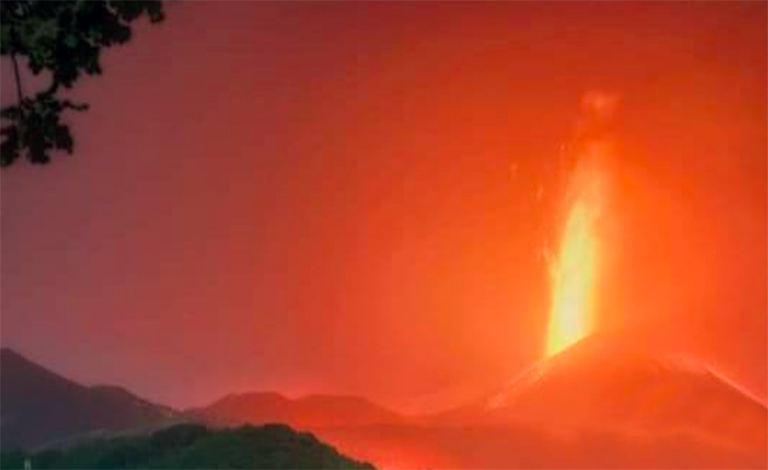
[[574, 270]]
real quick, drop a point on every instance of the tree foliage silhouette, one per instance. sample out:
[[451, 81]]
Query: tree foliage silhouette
[[193, 446], [65, 39]]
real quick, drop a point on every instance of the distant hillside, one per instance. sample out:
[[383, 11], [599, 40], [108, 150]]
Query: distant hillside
[[310, 412], [602, 403], [194, 446], [38, 406]]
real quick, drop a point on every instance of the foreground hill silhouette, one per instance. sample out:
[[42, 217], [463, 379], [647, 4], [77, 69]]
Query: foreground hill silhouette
[[194, 446], [39, 406]]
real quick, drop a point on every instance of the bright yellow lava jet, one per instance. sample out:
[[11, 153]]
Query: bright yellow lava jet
[[574, 270]]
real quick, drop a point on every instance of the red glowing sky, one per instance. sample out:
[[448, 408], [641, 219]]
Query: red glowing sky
[[318, 197]]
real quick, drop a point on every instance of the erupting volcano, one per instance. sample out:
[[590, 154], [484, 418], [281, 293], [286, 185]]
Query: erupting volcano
[[462, 235]]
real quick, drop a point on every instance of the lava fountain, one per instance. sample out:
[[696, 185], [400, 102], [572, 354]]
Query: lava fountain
[[575, 267], [573, 276]]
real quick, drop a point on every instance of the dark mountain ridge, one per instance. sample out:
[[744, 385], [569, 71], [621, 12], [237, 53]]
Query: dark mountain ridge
[[38, 406], [307, 412]]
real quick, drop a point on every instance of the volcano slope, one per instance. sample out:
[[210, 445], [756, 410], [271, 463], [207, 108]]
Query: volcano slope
[[599, 404]]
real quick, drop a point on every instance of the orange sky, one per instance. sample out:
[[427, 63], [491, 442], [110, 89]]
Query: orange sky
[[318, 197]]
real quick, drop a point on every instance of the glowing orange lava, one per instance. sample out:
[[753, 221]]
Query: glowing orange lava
[[574, 270]]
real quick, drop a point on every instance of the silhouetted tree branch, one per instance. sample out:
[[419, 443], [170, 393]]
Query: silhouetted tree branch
[[19, 93], [64, 38]]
